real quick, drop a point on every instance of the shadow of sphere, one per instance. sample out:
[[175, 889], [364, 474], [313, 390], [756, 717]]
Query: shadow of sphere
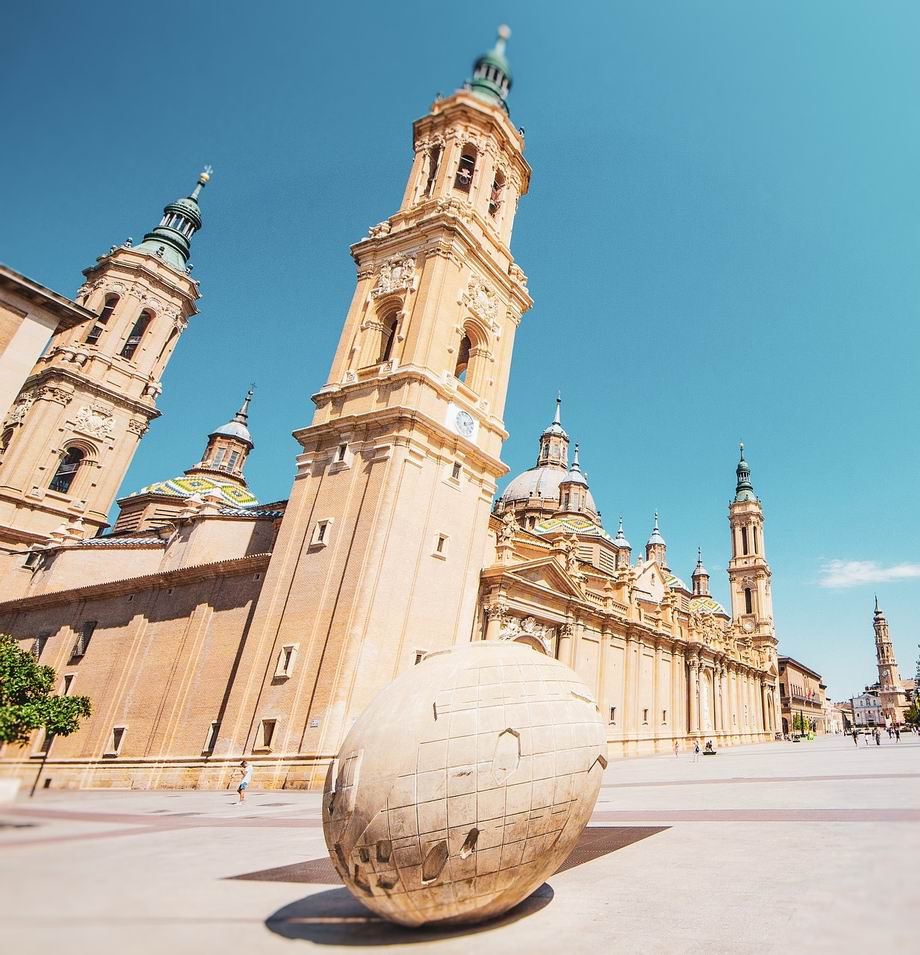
[[335, 917]]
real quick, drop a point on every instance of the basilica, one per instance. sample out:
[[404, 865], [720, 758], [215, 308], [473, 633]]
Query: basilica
[[207, 626]]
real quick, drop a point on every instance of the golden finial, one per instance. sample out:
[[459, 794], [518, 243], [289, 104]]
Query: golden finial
[[205, 174]]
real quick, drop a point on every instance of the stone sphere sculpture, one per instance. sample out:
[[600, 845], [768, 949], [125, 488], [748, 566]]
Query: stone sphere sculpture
[[464, 784]]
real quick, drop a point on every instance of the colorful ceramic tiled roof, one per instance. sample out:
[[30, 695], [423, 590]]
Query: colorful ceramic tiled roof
[[121, 541], [186, 485], [673, 581], [706, 605], [571, 525]]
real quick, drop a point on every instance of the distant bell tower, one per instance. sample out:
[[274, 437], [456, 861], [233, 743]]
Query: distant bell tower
[[379, 553], [891, 691], [72, 432], [749, 579]]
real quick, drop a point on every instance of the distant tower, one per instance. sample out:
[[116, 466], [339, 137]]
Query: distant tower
[[218, 477], [700, 576], [83, 410], [749, 580], [624, 550], [574, 495], [380, 549], [891, 691], [655, 548]]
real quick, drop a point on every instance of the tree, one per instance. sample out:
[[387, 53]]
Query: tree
[[912, 716], [27, 702]]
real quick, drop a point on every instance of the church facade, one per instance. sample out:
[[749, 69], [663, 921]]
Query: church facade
[[206, 626]]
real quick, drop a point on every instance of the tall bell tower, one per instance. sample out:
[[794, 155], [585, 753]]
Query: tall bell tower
[[749, 577], [72, 432], [891, 691], [379, 553]]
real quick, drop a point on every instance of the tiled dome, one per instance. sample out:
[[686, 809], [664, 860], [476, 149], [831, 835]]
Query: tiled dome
[[571, 525], [186, 486], [706, 605]]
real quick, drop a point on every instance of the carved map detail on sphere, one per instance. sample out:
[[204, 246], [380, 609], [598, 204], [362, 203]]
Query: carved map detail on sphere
[[464, 784]]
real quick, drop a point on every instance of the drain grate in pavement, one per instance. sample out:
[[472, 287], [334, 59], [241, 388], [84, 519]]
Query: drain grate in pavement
[[595, 841]]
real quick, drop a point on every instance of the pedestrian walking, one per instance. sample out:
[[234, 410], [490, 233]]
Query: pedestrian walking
[[878, 736], [855, 738], [246, 770], [696, 752], [897, 734], [676, 748]]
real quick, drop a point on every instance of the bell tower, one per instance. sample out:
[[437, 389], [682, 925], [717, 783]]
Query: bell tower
[[891, 690], [748, 570], [73, 430], [379, 553]]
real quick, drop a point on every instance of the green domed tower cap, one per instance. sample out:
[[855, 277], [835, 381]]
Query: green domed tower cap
[[171, 240], [491, 73], [744, 490]]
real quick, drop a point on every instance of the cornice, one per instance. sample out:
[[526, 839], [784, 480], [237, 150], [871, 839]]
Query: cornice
[[127, 585]]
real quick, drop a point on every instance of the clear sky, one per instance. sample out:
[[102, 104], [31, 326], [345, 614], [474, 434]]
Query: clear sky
[[722, 239]]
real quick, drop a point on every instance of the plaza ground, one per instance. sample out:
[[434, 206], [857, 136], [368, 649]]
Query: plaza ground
[[809, 846]]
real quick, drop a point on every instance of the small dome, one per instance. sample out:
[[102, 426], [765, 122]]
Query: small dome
[[542, 483], [707, 605], [674, 582], [186, 486], [234, 429]]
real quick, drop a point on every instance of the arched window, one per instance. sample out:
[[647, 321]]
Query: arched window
[[137, 333], [463, 358], [67, 470], [465, 169], [434, 161], [5, 440], [744, 540], [96, 331], [748, 600], [754, 532], [495, 198], [387, 337]]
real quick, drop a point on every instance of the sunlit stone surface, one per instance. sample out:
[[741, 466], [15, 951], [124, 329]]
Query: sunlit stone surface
[[464, 784]]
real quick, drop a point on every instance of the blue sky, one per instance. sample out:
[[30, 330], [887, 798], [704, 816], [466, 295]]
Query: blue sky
[[722, 238]]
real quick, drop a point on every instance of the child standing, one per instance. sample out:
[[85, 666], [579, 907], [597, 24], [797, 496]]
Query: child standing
[[246, 770]]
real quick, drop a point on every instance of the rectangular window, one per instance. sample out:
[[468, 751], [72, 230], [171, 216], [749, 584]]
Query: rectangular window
[[82, 644], [67, 684], [321, 534], [645, 716], [116, 741], [44, 743], [434, 160], [613, 714], [211, 738], [744, 540], [419, 656], [266, 733], [286, 658], [340, 453], [748, 601], [664, 716], [455, 471], [218, 457], [440, 546]]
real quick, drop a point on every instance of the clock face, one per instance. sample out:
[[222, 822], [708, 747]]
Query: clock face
[[748, 626], [465, 423]]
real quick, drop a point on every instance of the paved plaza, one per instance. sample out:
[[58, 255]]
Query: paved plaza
[[808, 846]]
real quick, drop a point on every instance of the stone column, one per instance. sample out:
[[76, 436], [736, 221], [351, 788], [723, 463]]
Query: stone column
[[603, 641], [717, 698], [694, 694], [495, 621], [566, 640], [656, 691]]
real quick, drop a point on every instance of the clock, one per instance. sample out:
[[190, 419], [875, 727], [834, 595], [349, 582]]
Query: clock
[[748, 626], [461, 422], [464, 423]]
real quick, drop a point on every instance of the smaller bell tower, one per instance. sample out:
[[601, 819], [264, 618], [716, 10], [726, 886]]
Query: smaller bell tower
[[891, 690], [75, 426]]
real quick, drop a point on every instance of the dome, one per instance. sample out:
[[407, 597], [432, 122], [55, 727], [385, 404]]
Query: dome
[[674, 582], [706, 605], [541, 482], [234, 429], [571, 524], [186, 485]]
